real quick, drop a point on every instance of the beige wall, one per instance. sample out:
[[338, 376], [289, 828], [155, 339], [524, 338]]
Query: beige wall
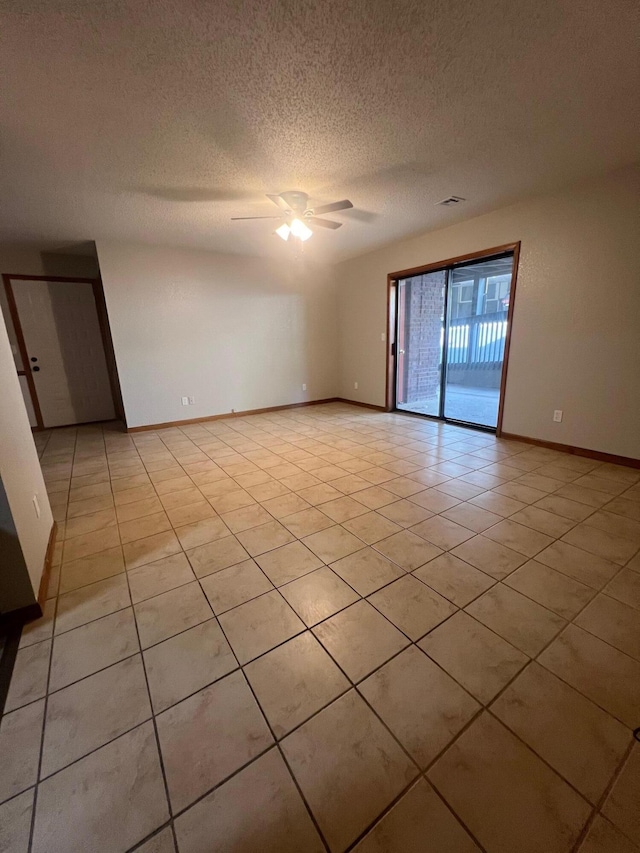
[[233, 332], [20, 469], [576, 332]]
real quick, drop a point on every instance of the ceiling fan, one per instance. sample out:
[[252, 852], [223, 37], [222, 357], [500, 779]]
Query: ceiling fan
[[297, 216]]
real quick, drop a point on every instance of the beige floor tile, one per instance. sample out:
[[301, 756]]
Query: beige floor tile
[[497, 504], [479, 659], [618, 525], [233, 586], [471, 517], [89, 506], [173, 485], [150, 549], [490, 557], [161, 576], [412, 606], [442, 532], [181, 498], [258, 625], [509, 798], [318, 595], [20, 737], [123, 484], [265, 537], [140, 493], [348, 767], [624, 507], [423, 706], [231, 501], [280, 820], [367, 571], [86, 570], [220, 487], [578, 564], [190, 514], [518, 538], [621, 806], [418, 815], [552, 589], [245, 518], [91, 712], [142, 528], [360, 639], [161, 842], [15, 823], [90, 522], [434, 500], [375, 497], [600, 483], [170, 613], [209, 736], [371, 527], [608, 677], [517, 619], [306, 522], [90, 543], [40, 629], [603, 544], [201, 532], [404, 513], [294, 681], [92, 647], [114, 796], [280, 507], [186, 663], [520, 492], [377, 475], [625, 587], [572, 510], [587, 752], [91, 602], [317, 495], [217, 555], [333, 543], [603, 837], [543, 521], [29, 677], [407, 549], [89, 490], [288, 563], [614, 622], [454, 579], [343, 509], [138, 509]]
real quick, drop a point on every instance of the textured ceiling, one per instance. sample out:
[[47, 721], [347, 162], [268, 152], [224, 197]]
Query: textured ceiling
[[157, 121]]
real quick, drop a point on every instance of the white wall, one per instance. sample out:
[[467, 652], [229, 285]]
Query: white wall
[[233, 332], [575, 341], [20, 468]]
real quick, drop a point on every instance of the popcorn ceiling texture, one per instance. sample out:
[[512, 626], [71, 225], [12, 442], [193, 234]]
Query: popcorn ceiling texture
[[158, 121]]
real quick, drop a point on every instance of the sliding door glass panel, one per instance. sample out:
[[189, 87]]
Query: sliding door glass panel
[[419, 342], [476, 334]]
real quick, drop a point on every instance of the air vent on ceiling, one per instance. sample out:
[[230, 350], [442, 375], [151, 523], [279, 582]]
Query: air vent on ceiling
[[451, 200]]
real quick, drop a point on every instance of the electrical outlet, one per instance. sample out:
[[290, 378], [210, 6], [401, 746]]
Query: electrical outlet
[[304, 386], [185, 401], [557, 416], [36, 506], [355, 385], [192, 401]]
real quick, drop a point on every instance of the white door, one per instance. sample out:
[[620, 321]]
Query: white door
[[62, 335]]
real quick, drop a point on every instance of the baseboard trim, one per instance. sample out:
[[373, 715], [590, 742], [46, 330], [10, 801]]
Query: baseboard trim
[[576, 451], [46, 571], [243, 414], [362, 405]]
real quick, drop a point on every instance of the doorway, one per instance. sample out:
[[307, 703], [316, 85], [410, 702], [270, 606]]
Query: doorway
[[450, 338], [61, 342]]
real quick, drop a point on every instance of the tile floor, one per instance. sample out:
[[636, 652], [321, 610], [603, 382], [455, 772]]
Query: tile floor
[[328, 629]]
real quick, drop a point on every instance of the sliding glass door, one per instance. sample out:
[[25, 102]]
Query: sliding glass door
[[450, 340]]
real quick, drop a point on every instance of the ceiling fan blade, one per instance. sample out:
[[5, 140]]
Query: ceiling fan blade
[[236, 218], [279, 201], [345, 204], [324, 223]]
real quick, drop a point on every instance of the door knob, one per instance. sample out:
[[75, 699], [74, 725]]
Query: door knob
[[35, 369]]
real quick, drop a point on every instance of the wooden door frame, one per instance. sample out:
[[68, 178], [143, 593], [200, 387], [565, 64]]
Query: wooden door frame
[[105, 334], [392, 280]]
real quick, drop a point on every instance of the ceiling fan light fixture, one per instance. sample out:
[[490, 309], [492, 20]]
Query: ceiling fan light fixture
[[300, 230], [283, 231]]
